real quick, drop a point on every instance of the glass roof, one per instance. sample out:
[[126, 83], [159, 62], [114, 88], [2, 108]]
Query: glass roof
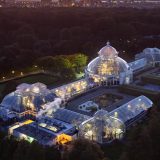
[[107, 63], [152, 54], [27, 97], [118, 65], [135, 65], [102, 128], [70, 116], [108, 52], [132, 109], [67, 90]]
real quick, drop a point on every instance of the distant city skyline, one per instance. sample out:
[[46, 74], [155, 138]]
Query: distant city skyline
[[81, 3]]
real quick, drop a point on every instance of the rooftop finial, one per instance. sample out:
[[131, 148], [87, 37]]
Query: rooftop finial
[[108, 43]]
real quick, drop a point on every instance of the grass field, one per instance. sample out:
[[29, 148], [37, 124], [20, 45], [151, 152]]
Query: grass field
[[43, 78], [46, 79]]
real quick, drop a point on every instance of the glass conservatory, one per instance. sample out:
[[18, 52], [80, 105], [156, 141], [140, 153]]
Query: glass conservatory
[[71, 89], [152, 56], [108, 68], [133, 110], [138, 64], [102, 128], [27, 97]]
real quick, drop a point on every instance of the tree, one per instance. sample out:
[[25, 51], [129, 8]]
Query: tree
[[26, 41], [47, 62], [82, 149], [144, 141], [68, 73], [79, 61], [42, 46], [52, 153], [9, 87]]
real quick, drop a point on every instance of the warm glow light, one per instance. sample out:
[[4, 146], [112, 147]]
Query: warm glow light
[[116, 114], [27, 122], [63, 138], [35, 90]]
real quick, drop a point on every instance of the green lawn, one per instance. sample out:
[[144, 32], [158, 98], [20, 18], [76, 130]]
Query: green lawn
[[46, 79]]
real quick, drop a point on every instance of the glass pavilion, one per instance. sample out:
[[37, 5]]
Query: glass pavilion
[[105, 127], [108, 68], [102, 128], [132, 110], [27, 99]]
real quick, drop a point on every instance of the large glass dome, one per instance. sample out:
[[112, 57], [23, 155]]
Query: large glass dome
[[102, 128], [108, 66]]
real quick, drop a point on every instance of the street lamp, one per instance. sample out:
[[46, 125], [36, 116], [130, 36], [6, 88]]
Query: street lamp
[[21, 73]]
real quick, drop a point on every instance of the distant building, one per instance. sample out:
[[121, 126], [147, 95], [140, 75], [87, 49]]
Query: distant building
[[152, 56]]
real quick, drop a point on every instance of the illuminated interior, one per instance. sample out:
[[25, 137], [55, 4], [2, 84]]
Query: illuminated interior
[[63, 138], [108, 67], [102, 128], [50, 127], [71, 89], [132, 109], [27, 98]]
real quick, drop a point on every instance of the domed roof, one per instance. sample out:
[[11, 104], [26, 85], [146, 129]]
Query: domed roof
[[107, 63], [108, 52], [28, 96]]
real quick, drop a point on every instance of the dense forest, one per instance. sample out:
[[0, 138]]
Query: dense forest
[[27, 34]]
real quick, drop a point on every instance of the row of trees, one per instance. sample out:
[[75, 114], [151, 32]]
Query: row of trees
[[143, 142], [11, 149], [61, 64], [65, 67]]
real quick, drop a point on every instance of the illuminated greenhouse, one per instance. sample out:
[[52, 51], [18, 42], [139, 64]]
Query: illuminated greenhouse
[[152, 55], [102, 128], [108, 68], [27, 98], [68, 90], [133, 110]]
